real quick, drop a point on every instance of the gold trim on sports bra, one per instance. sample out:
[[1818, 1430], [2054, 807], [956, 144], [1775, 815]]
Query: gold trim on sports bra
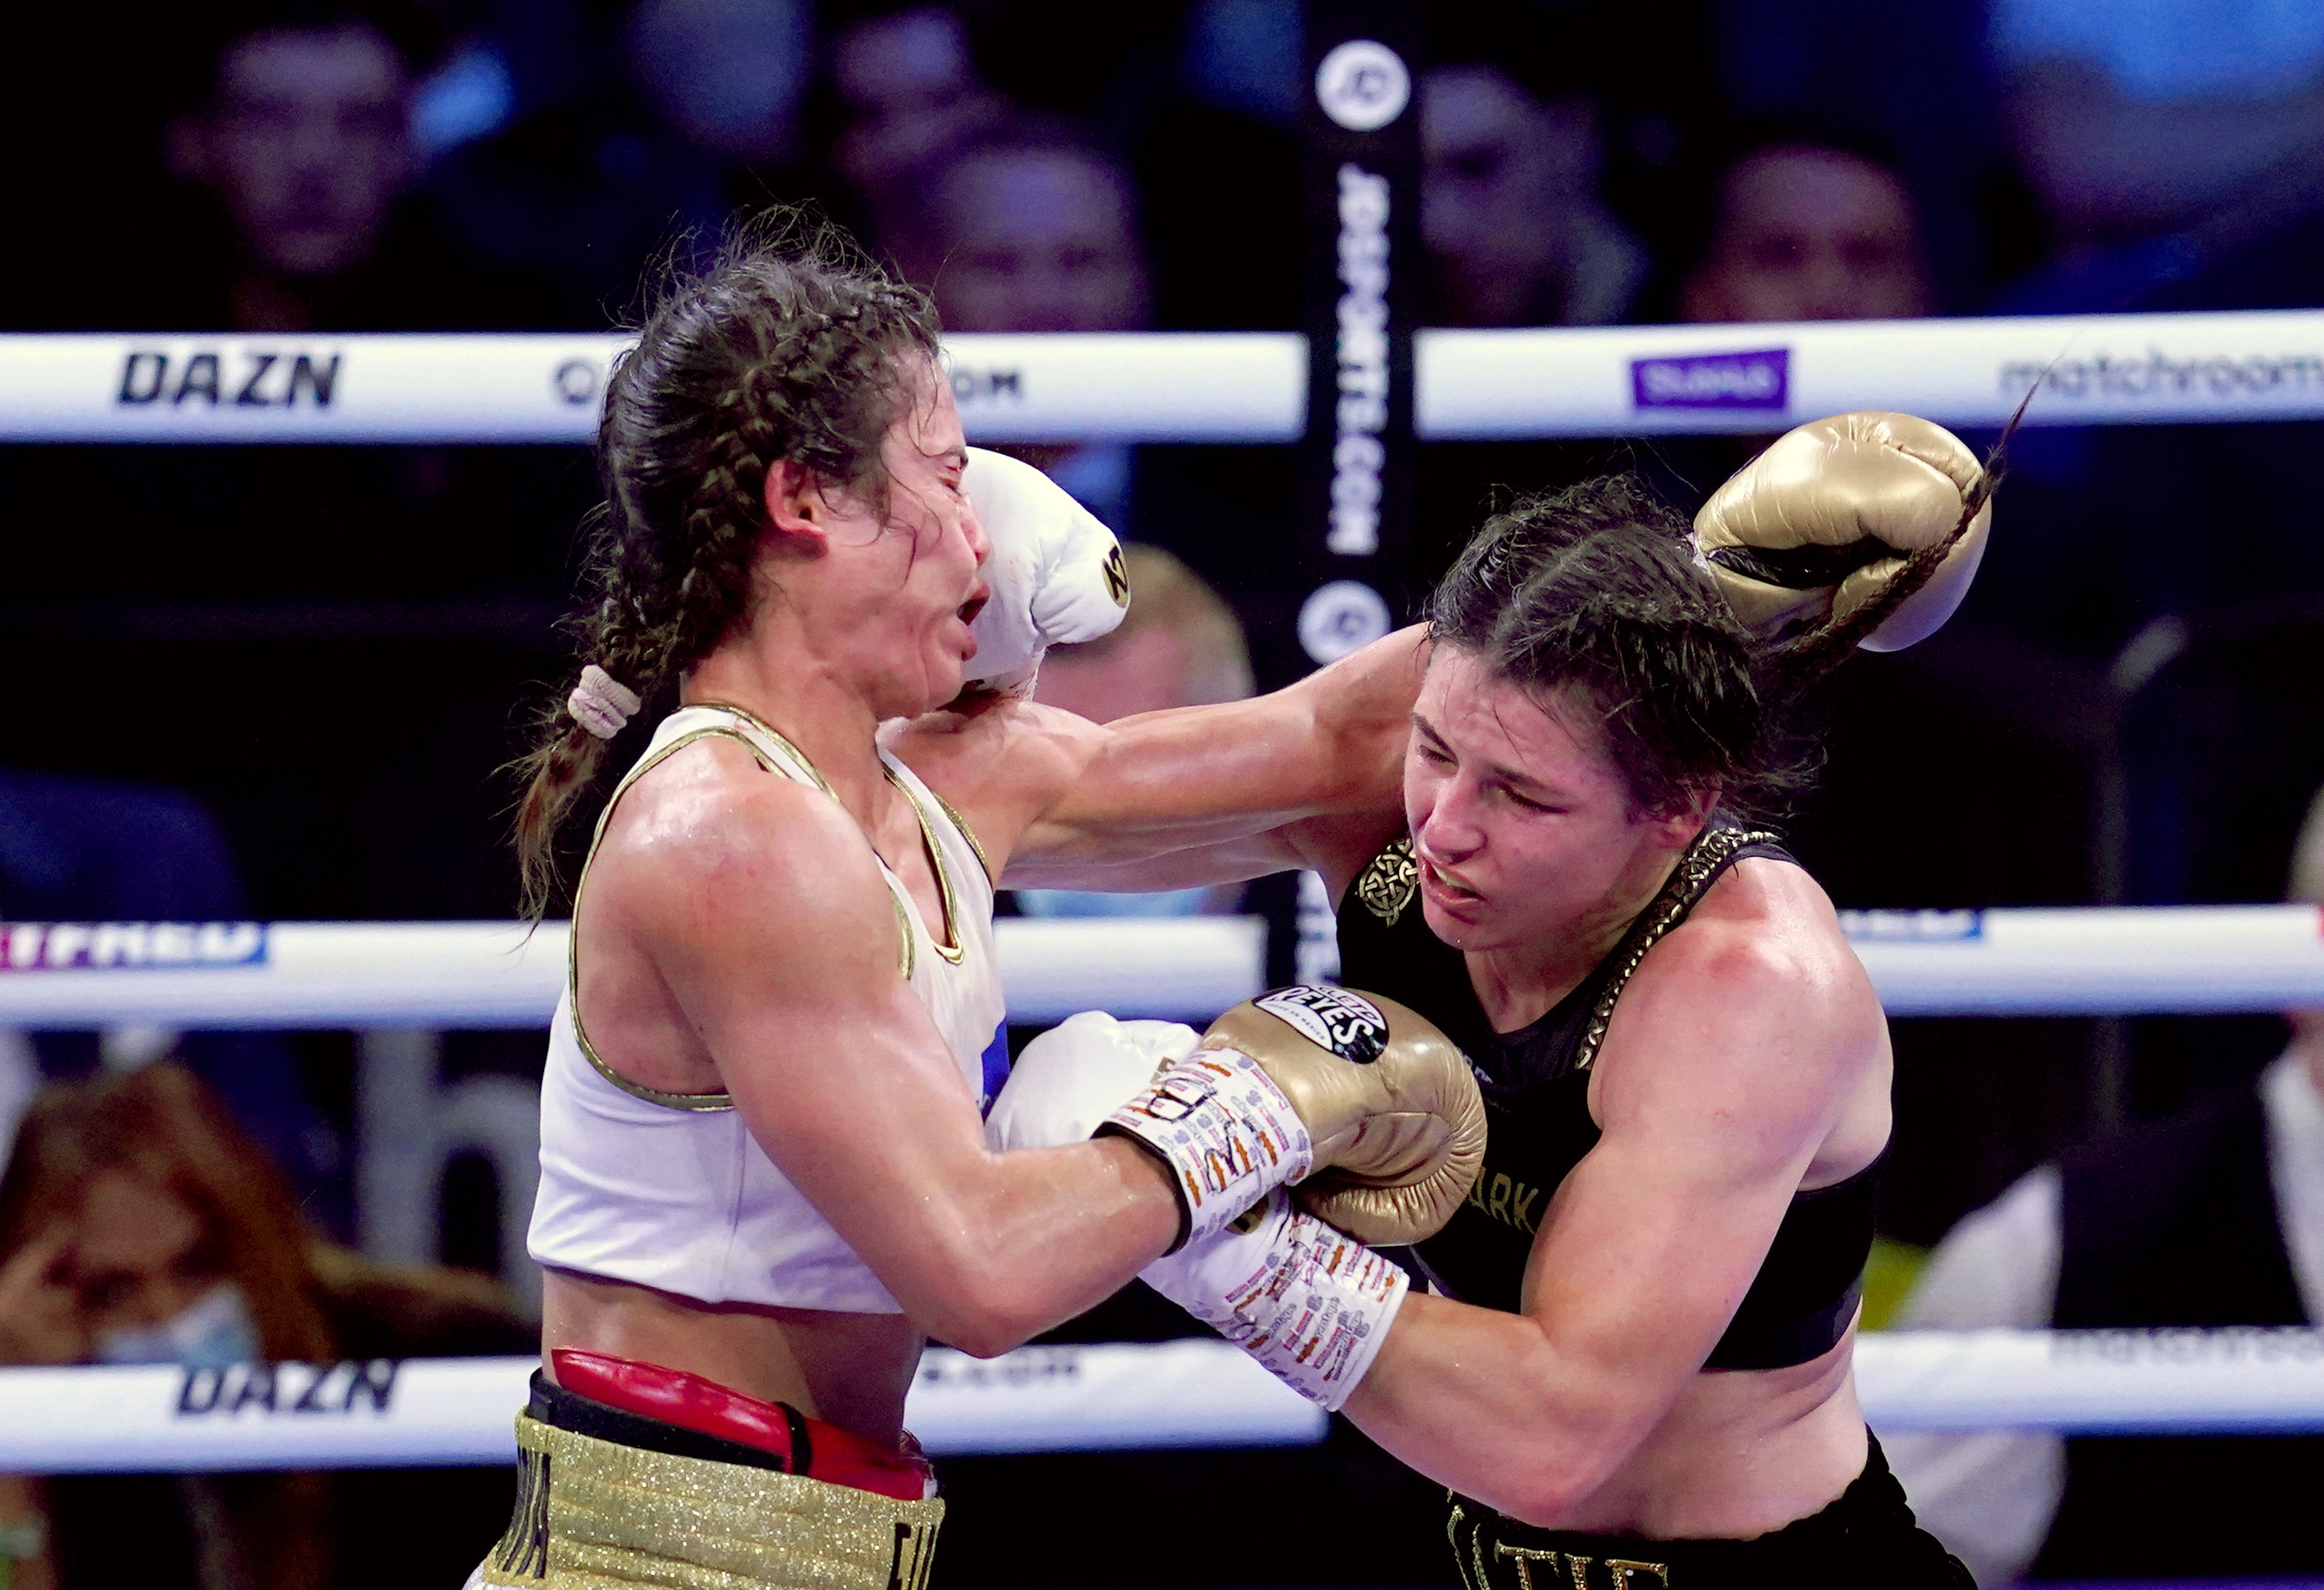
[[956, 949], [966, 832], [955, 952], [1711, 850]]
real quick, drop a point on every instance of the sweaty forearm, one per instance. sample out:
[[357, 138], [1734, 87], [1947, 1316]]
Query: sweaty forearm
[[1484, 1403], [1210, 776], [1045, 1235]]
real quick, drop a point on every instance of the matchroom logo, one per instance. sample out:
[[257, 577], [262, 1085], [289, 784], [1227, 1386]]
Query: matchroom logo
[[1757, 380]]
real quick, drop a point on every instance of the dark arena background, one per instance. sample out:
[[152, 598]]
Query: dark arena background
[[309, 314]]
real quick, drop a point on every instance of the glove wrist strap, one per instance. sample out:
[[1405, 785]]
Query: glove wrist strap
[[1224, 1130], [1311, 1303]]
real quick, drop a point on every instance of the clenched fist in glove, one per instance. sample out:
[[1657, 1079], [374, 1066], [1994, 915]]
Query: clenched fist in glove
[[1361, 1102], [1821, 522], [1056, 571], [1364, 1094], [1310, 1302]]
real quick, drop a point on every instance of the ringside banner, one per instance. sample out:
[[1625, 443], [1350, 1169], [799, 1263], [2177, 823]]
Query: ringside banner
[[1223, 386], [530, 388], [1108, 1397]]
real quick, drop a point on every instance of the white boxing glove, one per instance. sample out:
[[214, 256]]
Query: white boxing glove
[[1311, 1303], [1056, 573], [1071, 1077]]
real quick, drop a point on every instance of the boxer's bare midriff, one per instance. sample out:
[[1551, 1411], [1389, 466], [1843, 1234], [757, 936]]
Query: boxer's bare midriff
[[851, 1370], [1742, 1452]]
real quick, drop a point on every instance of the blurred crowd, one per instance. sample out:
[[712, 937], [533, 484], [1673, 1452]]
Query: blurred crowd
[[345, 633]]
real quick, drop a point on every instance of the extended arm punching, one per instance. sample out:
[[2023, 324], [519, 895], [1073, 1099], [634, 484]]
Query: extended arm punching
[[1195, 794]]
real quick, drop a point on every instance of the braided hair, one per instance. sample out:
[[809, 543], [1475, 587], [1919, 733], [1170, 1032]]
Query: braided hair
[[793, 348], [1596, 589]]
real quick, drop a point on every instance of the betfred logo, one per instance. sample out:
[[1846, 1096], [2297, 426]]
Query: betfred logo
[[1756, 380], [99, 946]]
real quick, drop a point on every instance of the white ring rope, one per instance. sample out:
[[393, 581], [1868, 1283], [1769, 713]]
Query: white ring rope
[[1214, 386], [2085, 961], [1110, 1397], [492, 974]]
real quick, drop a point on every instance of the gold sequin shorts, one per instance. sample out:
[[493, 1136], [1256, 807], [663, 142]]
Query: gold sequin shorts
[[599, 1515]]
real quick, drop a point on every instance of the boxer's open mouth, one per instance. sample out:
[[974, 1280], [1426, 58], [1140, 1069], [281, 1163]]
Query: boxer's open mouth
[[975, 605], [1446, 883]]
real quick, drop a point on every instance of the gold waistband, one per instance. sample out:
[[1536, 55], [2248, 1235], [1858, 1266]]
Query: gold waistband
[[599, 1515]]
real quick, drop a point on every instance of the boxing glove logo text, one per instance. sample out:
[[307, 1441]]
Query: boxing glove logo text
[[1348, 1025]]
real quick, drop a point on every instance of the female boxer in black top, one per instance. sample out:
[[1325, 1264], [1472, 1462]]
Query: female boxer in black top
[[1639, 1372]]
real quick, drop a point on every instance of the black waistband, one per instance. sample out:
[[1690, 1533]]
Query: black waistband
[[555, 1406], [1866, 1538]]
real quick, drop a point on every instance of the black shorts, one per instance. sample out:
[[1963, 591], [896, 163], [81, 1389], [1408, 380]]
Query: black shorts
[[1865, 1538]]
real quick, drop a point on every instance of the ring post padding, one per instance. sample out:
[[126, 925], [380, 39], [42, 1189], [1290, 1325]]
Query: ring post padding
[[1478, 385]]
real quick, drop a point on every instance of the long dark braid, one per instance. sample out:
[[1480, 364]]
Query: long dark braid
[[791, 347], [1807, 658]]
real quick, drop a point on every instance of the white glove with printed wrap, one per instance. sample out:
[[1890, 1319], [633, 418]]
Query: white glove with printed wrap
[[1307, 1302], [1056, 573], [1365, 1094], [1071, 1077]]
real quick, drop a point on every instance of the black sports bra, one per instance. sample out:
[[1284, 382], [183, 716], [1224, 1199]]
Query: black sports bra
[[1537, 1085]]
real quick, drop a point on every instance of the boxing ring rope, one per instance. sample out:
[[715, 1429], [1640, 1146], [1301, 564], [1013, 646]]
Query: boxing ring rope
[[2111, 960], [1213, 387], [1113, 1397], [1470, 385]]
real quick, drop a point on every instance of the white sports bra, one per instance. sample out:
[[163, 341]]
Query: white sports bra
[[670, 1190]]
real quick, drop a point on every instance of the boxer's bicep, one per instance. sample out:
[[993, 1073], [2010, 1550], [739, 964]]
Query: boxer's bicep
[[1716, 1087], [1720, 1076], [790, 971]]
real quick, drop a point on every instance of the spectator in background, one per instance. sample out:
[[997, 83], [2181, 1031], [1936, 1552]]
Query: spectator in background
[[690, 117], [301, 150], [139, 1225], [2213, 1216], [727, 75], [88, 850], [1028, 228], [1808, 230], [908, 96], [1179, 646], [1516, 232], [2145, 131]]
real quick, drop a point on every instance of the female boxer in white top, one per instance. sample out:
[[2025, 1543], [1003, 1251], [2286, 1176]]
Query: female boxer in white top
[[764, 1175]]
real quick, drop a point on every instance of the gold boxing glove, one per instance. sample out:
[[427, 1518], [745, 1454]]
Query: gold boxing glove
[[1818, 524], [1367, 1096]]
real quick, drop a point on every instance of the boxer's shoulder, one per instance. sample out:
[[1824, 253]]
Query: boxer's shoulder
[[704, 832], [1762, 962], [1001, 762]]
